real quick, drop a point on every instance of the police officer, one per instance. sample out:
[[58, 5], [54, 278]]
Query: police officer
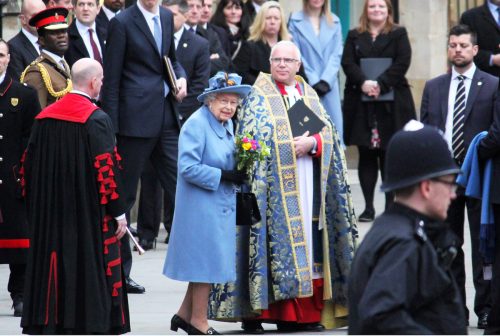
[[49, 74], [18, 107], [400, 281]]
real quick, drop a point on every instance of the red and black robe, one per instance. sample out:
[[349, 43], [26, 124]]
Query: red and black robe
[[74, 281]]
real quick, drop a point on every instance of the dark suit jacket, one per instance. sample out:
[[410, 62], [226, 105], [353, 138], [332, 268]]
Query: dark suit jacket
[[481, 21], [22, 53], [250, 9], [101, 20], [223, 38], [223, 62], [133, 93], [193, 54], [479, 108], [76, 48]]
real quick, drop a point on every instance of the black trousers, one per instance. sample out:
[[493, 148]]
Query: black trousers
[[136, 152], [16, 281], [152, 200], [494, 316], [456, 217]]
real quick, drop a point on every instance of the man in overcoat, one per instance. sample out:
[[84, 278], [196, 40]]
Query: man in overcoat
[[18, 108]]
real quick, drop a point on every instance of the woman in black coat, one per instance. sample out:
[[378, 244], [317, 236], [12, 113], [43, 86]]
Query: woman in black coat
[[370, 125]]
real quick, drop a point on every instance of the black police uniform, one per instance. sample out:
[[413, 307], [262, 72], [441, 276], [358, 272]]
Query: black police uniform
[[18, 108], [400, 281]]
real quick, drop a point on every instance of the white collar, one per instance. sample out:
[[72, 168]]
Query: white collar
[[55, 58], [83, 29], [33, 38], [109, 13], [256, 6], [81, 93], [147, 14], [189, 27], [468, 74], [2, 77], [178, 34], [205, 25]]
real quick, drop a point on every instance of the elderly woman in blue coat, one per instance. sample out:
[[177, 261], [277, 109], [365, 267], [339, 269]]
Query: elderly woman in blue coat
[[318, 34], [202, 248]]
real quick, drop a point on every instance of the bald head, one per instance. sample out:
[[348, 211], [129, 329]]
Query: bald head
[[28, 9], [87, 75]]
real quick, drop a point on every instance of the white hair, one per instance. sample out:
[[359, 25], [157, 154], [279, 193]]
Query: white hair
[[286, 43]]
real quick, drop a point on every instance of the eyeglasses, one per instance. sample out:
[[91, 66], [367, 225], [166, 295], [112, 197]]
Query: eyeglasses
[[278, 60], [225, 102], [452, 184]]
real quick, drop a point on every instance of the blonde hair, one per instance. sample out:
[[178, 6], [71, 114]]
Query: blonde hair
[[364, 23], [325, 10], [259, 23]]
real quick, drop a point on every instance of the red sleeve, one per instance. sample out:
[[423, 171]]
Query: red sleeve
[[319, 145]]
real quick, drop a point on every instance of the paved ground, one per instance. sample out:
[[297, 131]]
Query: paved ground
[[151, 312]]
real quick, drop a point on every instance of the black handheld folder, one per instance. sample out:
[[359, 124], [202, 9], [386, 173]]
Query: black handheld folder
[[372, 68], [303, 119]]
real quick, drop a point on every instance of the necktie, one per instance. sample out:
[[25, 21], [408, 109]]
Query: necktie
[[93, 45], [457, 137], [157, 32], [191, 29]]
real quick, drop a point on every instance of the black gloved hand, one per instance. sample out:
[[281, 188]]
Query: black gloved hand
[[234, 176], [321, 88]]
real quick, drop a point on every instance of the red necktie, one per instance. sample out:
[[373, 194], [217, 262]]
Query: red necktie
[[95, 50]]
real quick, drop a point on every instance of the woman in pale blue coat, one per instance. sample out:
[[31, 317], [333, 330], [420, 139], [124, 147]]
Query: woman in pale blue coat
[[318, 34], [202, 246]]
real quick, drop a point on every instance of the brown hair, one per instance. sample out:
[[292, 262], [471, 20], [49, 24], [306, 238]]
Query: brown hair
[[364, 24], [325, 10]]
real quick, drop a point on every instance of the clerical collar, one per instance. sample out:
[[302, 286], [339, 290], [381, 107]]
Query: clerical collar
[[81, 93], [282, 88]]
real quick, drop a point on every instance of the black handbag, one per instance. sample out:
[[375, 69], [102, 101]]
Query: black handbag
[[247, 210]]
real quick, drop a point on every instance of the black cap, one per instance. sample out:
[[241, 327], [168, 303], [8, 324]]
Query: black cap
[[415, 154], [53, 18]]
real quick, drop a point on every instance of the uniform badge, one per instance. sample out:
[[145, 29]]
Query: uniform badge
[[14, 101]]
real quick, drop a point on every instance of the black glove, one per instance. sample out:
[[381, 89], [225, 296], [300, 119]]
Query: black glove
[[234, 176], [321, 88]]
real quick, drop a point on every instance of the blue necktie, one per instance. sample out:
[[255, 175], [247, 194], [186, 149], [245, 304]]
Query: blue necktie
[[157, 32]]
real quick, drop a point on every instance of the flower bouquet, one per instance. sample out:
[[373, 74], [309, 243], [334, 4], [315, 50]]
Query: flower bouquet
[[248, 151]]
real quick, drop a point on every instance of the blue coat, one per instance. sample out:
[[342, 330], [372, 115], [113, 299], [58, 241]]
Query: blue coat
[[321, 55], [202, 246]]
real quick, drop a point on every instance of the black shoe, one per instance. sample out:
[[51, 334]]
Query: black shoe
[[146, 244], [17, 305], [193, 331], [253, 327], [178, 322], [133, 287], [367, 216], [482, 321], [295, 327]]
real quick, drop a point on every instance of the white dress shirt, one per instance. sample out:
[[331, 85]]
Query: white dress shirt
[[149, 17], [83, 30], [109, 13], [58, 59], [33, 39], [448, 129], [177, 36]]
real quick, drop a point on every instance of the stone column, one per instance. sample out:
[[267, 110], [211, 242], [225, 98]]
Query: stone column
[[427, 25]]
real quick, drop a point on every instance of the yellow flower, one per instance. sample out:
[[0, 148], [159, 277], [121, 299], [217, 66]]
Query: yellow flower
[[246, 146]]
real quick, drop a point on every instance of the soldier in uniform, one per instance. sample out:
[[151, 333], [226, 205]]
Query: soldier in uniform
[[49, 74], [401, 280], [18, 107]]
